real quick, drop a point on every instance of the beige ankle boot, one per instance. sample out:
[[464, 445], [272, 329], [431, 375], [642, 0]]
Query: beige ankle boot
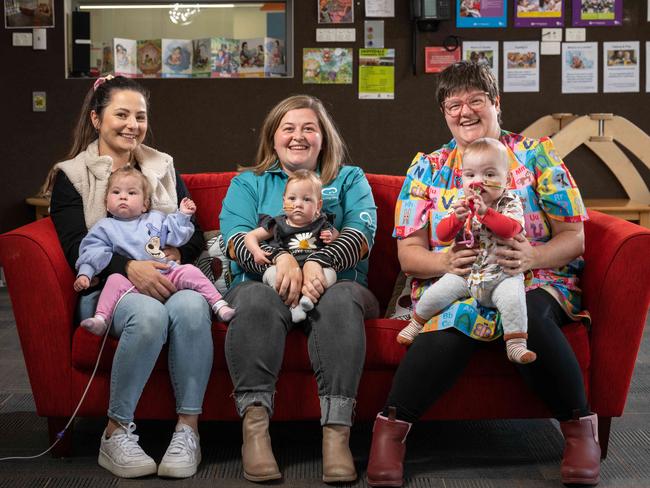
[[338, 464], [256, 452]]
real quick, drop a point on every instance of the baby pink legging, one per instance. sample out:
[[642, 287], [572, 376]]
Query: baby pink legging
[[183, 276]]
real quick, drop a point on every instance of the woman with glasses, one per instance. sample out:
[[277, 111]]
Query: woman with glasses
[[548, 254]]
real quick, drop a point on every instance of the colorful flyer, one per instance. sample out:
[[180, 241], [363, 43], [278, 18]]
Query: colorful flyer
[[376, 74], [224, 57], [275, 59], [437, 58], [176, 58], [483, 52], [621, 66], [539, 13], [125, 55], [481, 13], [335, 12], [521, 66], [150, 58], [592, 13], [327, 65], [579, 67], [201, 52], [251, 58]]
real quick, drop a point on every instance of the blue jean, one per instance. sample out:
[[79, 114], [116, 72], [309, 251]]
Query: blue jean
[[144, 325], [336, 343]]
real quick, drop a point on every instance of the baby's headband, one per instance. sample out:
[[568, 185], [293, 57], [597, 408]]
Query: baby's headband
[[101, 80]]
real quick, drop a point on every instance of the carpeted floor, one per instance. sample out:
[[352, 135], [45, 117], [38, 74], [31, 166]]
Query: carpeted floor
[[477, 454]]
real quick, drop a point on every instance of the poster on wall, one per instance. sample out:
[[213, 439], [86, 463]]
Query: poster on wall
[[592, 13], [621, 66], [201, 52], [251, 58], [335, 12], [437, 58], [579, 67], [539, 13], [224, 57], [481, 13], [380, 8], [150, 58], [25, 14], [327, 65], [483, 52], [124, 57], [521, 66], [176, 58], [376, 74]]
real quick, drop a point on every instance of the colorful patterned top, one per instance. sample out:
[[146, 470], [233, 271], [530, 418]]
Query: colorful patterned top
[[547, 190]]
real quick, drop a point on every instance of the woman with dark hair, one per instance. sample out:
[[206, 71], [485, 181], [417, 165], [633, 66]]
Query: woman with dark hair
[[299, 134], [549, 255], [109, 133]]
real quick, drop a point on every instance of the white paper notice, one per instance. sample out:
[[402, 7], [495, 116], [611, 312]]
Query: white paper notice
[[621, 66], [647, 65], [380, 8], [579, 67], [521, 66], [486, 52]]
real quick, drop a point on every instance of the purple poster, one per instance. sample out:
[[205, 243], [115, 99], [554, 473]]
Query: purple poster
[[591, 13], [481, 13], [539, 13]]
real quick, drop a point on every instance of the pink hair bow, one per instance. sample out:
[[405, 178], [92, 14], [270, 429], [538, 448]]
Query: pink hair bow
[[101, 80]]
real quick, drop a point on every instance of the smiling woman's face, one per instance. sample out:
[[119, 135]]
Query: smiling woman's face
[[471, 123], [298, 140]]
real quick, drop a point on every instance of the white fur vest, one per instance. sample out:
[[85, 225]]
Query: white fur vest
[[88, 172]]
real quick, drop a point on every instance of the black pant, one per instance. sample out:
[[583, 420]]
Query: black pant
[[436, 359]]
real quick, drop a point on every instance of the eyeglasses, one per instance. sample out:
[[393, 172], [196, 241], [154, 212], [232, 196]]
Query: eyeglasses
[[476, 101]]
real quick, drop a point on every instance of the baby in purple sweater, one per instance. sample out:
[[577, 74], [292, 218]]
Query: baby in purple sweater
[[139, 234]]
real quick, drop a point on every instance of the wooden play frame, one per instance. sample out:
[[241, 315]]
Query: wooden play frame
[[598, 132]]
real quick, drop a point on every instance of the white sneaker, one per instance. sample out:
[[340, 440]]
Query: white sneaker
[[183, 454], [122, 455]]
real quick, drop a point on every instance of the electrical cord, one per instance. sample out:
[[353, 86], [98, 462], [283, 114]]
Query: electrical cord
[[60, 435]]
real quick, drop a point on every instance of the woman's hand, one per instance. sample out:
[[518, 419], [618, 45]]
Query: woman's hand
[[288, 279], [518, 256], [172, 254], [148, 280], [313, 281], [460, 259]]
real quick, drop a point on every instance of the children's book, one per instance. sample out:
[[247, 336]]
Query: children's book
[[274, 58], [150, 58], [124, 56], [201, 49], [251, 57], [107, 58], [176, 58], [224, 57]]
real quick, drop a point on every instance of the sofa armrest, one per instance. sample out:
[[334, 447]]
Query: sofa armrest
[[40, 286], [616, 293]]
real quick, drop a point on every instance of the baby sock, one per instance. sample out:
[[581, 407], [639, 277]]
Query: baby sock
[[408, 334], [297, 314], [518, 352], [223, 311], [95, 325], [306, 304]]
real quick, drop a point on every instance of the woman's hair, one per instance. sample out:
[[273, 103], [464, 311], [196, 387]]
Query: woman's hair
[[129, 170], [97, 99], [464, 76], [306, 175], [333, 153]]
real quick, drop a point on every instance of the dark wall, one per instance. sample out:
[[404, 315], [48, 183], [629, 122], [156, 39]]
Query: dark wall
[[211, 125]]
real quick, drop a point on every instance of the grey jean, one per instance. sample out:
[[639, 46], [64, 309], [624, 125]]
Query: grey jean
[[335, 337]]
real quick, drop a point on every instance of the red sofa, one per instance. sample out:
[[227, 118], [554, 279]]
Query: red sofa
[[60, 356]]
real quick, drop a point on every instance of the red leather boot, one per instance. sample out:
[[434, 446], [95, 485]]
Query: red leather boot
[[581, 459], [386, 462]]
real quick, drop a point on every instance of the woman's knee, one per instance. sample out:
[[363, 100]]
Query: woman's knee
[[142, 316], [188, 310]]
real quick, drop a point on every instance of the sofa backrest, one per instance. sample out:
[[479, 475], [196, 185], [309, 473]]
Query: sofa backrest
[[209, 189]]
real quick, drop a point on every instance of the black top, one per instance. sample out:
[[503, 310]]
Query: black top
[[66, 210]]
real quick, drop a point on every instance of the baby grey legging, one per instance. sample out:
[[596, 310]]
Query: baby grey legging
[[336, 342], [508, 296]]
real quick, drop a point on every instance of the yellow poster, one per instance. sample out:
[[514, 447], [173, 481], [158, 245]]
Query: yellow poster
[[377, 74]]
